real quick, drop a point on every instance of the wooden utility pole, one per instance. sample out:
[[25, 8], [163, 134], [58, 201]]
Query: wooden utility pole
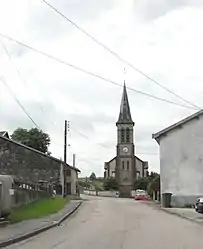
[[65, 142], [74, 160], [65, 158]]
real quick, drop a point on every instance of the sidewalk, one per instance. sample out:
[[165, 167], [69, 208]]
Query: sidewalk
[[187, 213], [16, 232]]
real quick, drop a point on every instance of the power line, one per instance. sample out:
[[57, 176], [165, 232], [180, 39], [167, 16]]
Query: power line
[[18, 101], [21, 106], [117, 55], [107, 147], [93, 74]]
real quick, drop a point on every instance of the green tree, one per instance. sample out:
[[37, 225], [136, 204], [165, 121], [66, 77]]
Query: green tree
[[110, 184], [154, 185], [93, 177], [83, 184], [33, 138], [141, 183]]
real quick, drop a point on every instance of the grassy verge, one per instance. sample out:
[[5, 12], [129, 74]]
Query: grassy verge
[[37, 209]]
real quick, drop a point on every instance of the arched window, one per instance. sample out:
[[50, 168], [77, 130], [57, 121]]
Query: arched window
[[123, 165], [122, 135], [127, 135]]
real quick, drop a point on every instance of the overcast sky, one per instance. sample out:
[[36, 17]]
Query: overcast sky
[[162, 38]]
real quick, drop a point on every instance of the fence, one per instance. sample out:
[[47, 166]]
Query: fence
[[28, 192], [102, 193]]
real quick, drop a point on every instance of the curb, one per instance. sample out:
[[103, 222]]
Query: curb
[[40, 230], [182, 216]]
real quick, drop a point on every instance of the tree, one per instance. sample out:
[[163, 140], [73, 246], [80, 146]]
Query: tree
[[84, 184], [152, 175], [33, 138], [93, 177], [154, 185], [141, 183], [110, 184]]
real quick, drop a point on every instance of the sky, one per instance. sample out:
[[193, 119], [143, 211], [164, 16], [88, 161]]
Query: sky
[[163, 39]]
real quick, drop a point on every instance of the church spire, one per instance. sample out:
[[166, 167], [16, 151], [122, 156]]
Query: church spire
[[124, 115]]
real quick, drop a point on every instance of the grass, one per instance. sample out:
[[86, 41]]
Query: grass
[[37, 209]]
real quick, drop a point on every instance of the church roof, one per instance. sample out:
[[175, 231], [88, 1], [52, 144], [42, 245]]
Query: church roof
[[124, 115]]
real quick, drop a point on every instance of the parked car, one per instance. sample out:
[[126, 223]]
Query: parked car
[[141, 195], [199, 205]]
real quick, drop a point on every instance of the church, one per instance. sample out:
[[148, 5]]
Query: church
[[125, 167]]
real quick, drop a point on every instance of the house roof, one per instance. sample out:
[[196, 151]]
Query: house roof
[[176, 125], [124, 115], [39, 152], [4, 134]]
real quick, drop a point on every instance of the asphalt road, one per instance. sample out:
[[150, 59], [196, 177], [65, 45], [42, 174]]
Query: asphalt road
[[111, 223]]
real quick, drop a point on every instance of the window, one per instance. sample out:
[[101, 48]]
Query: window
[[138, 174], [123, 165], [127, 135], [68, 172], [127, 165], [122, 135]]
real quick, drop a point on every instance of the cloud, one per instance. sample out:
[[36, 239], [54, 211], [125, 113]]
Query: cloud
[[163, 39], [149, 10]]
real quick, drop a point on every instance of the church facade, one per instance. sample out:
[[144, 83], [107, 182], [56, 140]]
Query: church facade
[[125, 167]]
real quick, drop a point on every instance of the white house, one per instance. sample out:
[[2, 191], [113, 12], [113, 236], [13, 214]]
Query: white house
[[181, 159]]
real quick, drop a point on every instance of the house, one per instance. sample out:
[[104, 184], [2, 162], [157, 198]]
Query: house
[[28, 165], [181, 159], [4, 134], [125, 167]]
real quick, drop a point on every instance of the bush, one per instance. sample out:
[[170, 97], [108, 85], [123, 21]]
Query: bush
[[111, 184]]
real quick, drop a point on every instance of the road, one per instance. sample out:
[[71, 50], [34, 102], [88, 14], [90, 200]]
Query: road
[[111, 223]]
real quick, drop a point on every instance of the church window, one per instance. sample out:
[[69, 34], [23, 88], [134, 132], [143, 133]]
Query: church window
[[122, 135], [127, 135], [123, 165], [127, 165]]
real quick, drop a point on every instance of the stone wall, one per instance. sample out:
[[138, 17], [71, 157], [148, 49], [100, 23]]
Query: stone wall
[[25, 164], [27, 195]]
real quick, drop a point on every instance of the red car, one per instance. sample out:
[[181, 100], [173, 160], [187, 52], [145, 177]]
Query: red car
[[141, 197]]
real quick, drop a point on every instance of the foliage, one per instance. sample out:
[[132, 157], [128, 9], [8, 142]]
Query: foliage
[[150, 183], [141, 183], [37, 209], [92, 177], [110, 184], [152, 175], [154, 185], [84, 184], [33, 138]]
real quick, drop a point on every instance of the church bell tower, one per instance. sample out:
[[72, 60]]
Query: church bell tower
[[125, 161]]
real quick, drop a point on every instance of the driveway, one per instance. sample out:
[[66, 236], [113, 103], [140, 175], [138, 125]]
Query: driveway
[[113, 223]]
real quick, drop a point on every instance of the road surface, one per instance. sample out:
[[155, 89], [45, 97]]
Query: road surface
[[111, 223]]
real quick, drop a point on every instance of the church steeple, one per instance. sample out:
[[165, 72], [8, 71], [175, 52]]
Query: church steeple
[[124, 115]]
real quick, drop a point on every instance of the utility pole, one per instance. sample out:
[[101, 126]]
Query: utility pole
[[66, 128], [65, 142], [74, 160]]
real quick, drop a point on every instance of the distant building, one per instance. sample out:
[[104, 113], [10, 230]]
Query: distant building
[[181, 159], [125, 167]]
